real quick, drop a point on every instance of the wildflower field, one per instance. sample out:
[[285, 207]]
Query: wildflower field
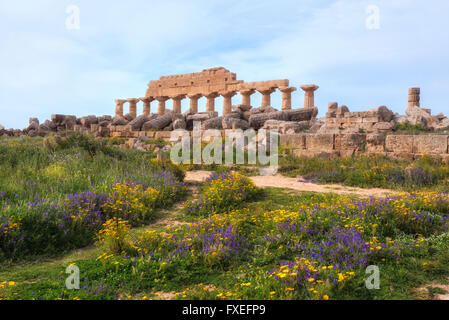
[[232, 239]]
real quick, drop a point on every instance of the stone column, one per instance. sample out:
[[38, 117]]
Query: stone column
[[266, 96], [146, 105], [210, 105], [246, 96], [309, 99], [119, 107], [177, 103], [133, 106], [227, 103], [287, 97], [194, 102], [413, 97], [161, 105]]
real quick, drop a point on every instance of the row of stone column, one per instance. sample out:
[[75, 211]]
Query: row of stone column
[[210, 105]]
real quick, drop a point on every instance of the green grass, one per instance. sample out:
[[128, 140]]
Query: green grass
[[194, 280], [425, 174], [423, 257]]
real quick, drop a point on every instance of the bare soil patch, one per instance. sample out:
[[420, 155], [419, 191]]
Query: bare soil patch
[[279, 181]]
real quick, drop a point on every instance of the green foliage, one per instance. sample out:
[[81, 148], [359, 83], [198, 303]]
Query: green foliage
[[371, 171]]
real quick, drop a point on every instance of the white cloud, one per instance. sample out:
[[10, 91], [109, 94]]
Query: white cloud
[[122, 45]]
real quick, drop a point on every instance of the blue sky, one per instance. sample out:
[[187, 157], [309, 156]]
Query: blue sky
[[122, 45]]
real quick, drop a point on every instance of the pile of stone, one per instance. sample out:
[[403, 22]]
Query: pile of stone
[[245, 117], [340, 120]]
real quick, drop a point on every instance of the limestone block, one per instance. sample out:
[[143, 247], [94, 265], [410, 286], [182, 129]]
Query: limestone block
[[430, 144], [294, 141], [320, 142], [399, 144], [383, 126], [375, 143], [354, 141]]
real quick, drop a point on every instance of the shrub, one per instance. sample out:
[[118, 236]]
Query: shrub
[[222, 193]]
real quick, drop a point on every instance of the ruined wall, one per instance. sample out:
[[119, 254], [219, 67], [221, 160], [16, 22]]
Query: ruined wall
[[400, 147]]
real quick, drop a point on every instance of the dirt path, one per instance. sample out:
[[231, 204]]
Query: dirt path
[[279, 181]]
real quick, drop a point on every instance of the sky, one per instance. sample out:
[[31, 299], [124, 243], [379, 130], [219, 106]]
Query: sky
[[361, 53]]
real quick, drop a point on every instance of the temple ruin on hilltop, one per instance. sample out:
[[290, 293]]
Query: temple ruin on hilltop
[[210, 83]]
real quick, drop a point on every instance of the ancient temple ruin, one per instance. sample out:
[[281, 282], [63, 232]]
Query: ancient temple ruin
[[211, 83]]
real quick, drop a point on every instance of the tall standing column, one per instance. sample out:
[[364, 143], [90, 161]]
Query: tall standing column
[[266, 96], [194, 102], [246, 96], [177, 103], [414, 97], [146, 105], [227, 102], [133, 106], [287, 97], [119, 107], [161, 105], [309, 99], [210, 105]]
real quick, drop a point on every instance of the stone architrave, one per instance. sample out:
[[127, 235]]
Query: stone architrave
[[287, 97], [309, 98], [210, 105], [119, 107], [177, 102], [133, 106], [194, 102], [246, 96], [146, 105], [266, 96], [227, 101], [161, 104]]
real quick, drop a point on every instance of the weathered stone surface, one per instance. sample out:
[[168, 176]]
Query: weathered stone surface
[[341, 111], [294, 141], [375, 143], [301, 114], [160, 122], [384, 126], [320, 142], [399, 144], [214, 123], [129, 117], [444, 124], [234, 123], [383, 113], [285, 126], [354, 141], [179, 124], [162, 135], [430, 144], [137, 123], [241, 108], [88, 121], [119, 121], [257, 121], [418, 116], [33, 124]]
